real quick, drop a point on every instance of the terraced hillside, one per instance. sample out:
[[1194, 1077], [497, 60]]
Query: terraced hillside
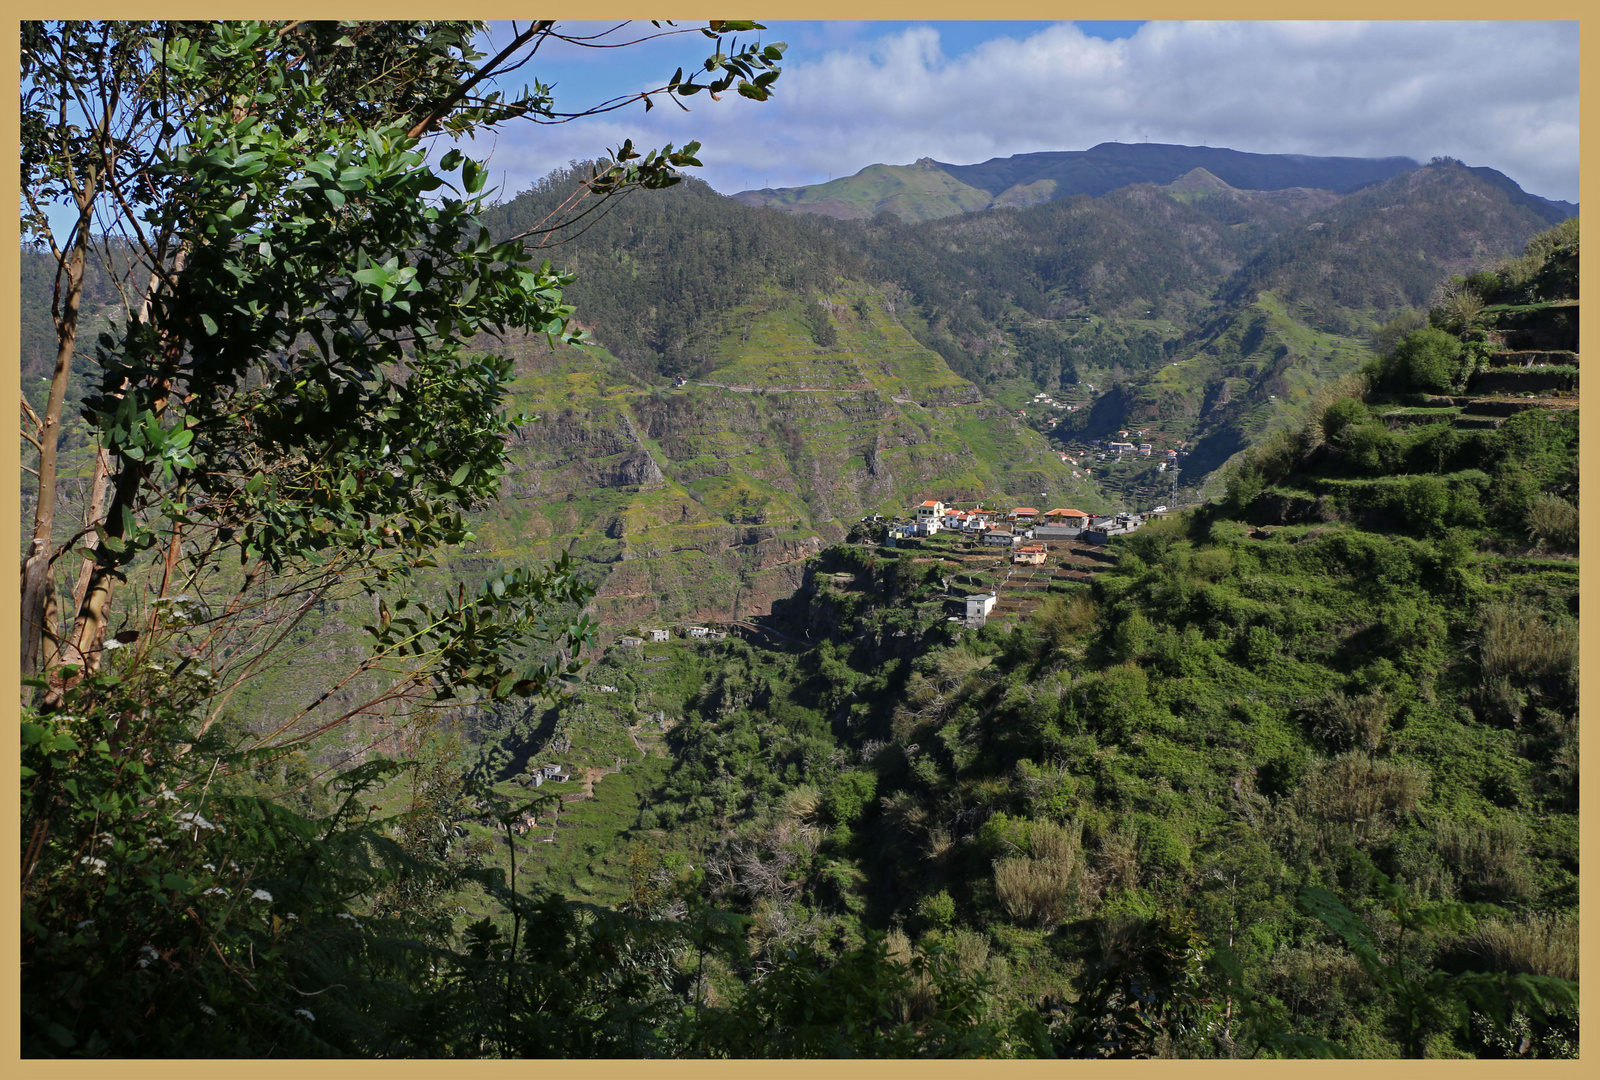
[[701, 501]]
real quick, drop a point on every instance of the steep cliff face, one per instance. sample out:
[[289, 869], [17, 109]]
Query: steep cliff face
[[701, 502]]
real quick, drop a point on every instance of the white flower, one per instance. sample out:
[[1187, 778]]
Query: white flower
[[112, 644], [207, 1009], [261, 894], [346, 915], [147, 954], [85, 924], [305, 1013], [97, 866], [168, 794], [189, 817], [155, 842], [293, 916], [208, 866], [215, 890]]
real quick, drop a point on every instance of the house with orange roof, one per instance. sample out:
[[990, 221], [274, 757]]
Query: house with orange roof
[[1030, 554], [930, 512], [1023, 513], [1077, 519]]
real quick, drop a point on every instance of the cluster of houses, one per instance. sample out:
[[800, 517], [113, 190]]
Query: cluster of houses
[[933, 515], [1046, 401], [538, 775], [1013, 529], [1123, 444], [664, 633]]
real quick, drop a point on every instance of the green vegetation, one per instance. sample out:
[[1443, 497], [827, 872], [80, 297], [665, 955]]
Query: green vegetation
[[1305, 759], [312, 763]]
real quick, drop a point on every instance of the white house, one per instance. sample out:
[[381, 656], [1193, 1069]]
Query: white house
[[932, 511], [978, 607], [659, 635]]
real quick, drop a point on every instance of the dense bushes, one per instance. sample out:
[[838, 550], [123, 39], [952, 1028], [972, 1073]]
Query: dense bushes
[[1428, 360]]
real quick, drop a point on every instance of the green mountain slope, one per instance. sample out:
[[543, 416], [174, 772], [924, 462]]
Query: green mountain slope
[[702, 501], [915, 192]]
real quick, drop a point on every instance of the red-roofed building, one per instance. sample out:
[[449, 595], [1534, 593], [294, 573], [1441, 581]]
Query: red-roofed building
[[1075, 518], [1029, 553], [1024, 513], [930, 512]]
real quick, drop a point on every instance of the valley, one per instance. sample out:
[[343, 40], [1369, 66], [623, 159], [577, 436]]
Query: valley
[[1246, 725]]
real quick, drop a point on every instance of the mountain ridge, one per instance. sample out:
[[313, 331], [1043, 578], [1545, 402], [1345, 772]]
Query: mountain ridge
[[928, 189]]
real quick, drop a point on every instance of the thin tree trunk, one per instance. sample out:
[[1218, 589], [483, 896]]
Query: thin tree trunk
[[92, 514], [37, 591], [84, 643]]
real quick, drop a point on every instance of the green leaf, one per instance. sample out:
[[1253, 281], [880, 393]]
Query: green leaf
[[209, 323], [1326, 908], [460, 475]]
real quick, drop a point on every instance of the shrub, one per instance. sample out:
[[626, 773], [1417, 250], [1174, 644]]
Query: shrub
[[1261, 646], [849, 795], [801, 803], [1486, 283], [1369, 447], [1390, 334], [939, 910], [1340, 415], [1455, 304], [1428, 360], [1213, 564], [1134, 636], [1426, 503], [1554, 520], [1062, 618]]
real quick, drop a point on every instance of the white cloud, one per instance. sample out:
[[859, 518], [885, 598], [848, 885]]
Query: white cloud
[[1498, 94]]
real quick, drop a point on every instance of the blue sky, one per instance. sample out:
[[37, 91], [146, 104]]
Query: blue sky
[[1502, 94]]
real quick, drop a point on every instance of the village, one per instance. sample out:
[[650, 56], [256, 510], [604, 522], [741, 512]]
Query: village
[[1017, 556]]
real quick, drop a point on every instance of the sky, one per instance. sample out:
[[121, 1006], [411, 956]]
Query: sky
[[1501, 94]]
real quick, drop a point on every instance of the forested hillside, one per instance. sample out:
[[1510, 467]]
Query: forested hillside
[[1300, 765], [408, 674]]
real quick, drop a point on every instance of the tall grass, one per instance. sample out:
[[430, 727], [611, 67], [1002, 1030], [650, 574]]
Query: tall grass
[[1348, 721], [1515, 639], [1046, 886], [1554, 520], [1537, 945], [1359, 799], [1491, 858]]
